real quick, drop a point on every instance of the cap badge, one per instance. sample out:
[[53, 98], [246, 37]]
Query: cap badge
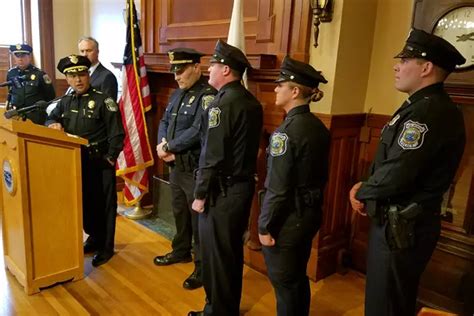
[[73, 59], [171, 56], [18, 46]]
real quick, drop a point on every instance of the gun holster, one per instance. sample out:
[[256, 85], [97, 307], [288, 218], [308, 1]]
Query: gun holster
[[401, 225]]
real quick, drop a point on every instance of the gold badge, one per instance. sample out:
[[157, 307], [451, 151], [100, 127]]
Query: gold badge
[[73, 59], [18, 46], [91, 104], [191, 99], [33, 77], [171, 56]]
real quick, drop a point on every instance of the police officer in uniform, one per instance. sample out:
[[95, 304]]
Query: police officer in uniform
[[33, 84], [416, 160], [225, 181], [92, 115], [296, 175], [180, 146]]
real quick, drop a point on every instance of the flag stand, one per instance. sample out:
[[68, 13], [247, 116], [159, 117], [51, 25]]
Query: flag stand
[[138, 212]]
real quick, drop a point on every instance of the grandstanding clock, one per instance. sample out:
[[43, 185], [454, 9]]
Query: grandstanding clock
[[457, 27]]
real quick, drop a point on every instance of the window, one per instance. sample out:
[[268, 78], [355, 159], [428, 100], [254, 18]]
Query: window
[[11, 19]]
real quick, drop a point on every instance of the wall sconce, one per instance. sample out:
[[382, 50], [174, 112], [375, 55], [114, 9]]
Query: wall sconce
[[322, 12]]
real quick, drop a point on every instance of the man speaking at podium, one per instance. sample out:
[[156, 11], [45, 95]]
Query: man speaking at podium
[[90, 114], [29, 84]]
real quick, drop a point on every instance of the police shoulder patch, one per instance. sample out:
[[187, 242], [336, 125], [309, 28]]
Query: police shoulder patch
[[206, 101], [278, 144], [214, 117], [111, 105], [413, 135], [46, 79]]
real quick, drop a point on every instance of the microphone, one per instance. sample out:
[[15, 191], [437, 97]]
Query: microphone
[[15, 81], [40, 105]]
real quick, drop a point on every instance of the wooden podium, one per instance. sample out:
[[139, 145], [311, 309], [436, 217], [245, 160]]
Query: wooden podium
[[41, 200]]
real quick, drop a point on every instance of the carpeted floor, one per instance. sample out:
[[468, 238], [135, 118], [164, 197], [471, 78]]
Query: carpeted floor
[[162, 225]]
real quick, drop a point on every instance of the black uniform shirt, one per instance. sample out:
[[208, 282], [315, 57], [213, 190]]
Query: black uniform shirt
[[297, 160], [182, 118], [418, 153], [93, 116], [232, 137], [36, 87]]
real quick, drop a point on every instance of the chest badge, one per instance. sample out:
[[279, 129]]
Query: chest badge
[[278, 144], [394, 120], [412, 135], [214, 117], [191, 100], [33, 77], [91, 104]]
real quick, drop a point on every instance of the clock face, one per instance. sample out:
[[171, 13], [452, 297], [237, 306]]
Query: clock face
[[457, 27]]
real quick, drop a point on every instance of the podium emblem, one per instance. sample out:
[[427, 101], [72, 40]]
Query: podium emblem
[[9, 177]]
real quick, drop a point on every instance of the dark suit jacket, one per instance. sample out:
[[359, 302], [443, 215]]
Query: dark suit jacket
[[104, 80]]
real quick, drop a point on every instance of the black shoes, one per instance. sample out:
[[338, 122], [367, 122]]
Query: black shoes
[[101, 257], [171, 258], [193, 281], [195, 313], [89, 246]]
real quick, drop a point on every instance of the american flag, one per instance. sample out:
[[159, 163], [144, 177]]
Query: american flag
[[135, 101]]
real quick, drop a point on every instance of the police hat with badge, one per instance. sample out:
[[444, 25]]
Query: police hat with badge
[[299, 72], [180, 57], [21, 49], [231, 56], [73, 64], [440, 52]]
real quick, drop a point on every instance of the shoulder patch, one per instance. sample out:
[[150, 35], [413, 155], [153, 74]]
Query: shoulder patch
[[278, 144], [412, 135], [111, 105], [206, 101], [214, 117], [46, 79]]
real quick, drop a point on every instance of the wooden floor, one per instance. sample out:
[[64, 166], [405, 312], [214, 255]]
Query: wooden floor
[[130, 284]]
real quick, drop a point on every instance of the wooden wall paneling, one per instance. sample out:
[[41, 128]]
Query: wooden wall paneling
[[271, 27], [47, 38]]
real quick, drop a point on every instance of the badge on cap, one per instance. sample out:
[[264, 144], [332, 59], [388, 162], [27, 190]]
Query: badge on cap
[[278, 144], [214, 117], [206, 101], [412, 135], [111, 105], [91, 104], [18, 46], [73, 59], [171, 56]]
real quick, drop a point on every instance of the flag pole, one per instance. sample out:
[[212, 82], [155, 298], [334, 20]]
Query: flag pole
[[138, 212]]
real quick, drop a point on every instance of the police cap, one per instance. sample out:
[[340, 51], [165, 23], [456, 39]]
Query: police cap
[[231, 56], [440, 52], [20, 49], [180, 57], [299, 72], [73, 64]]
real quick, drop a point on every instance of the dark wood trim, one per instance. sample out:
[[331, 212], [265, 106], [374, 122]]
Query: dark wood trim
[[47, 38]]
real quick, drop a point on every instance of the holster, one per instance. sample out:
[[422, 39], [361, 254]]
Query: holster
[[401, 225], [306, 198]]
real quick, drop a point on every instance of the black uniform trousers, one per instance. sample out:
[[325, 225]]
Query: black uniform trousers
[[186, 220], [221, 229], [287, 261], [393, 275], [99, 199]]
